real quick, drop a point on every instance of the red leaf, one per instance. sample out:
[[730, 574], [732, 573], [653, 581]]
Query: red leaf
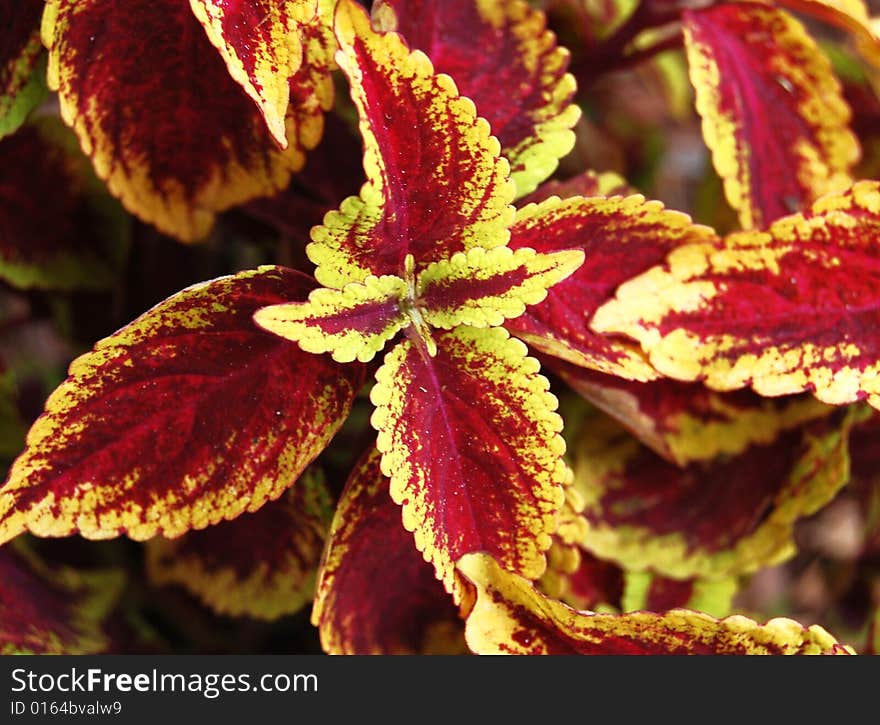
[[511, 617], [688, 422], [376, 594], [176, 139], [436, 183], [773, 113], [725, 517], [501, 56], [620, 237], [58, 232], [52, 610], [187, 416], [471, 444], [262, 565]]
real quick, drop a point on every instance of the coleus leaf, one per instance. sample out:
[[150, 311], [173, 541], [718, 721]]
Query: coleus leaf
[[376, 594], [688, 422], [713, 519], [21, 87], [174, 152], [501, 56], [479, 288], [260, 42], [471, 443], [482, 288], [773, 113], [619, 236], [781, 311], [233, 415], [436, 184], [441, 456], [53, 610], [58, 229], [352, 323], [512, 617], [262, 565]]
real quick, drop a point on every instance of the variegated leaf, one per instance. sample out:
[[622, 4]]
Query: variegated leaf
[[688, 422], [262, 565], [715, 519], [176, 139], [619, 236], [187, 416], [53, 610], [470, 440], [376, 594], [21, 84], [482, 288], [260, 43], [436, 182], [788, 310], [512, 617], [353, 323], [773, 113], [59, 229], [502, 56]]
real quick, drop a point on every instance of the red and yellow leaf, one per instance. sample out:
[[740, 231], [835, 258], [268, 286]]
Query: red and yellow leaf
[[783, 311], [261, 565], [20, 48], [502, 56], [176, 139], [714, 519], [59, 231], [436, 182], [688, 422], [773, 112], [512, 617], [482, 288], [260, 43], [376, 594], [188, 416], [619, 236], [53, 610], [471, 443], [353, 323]]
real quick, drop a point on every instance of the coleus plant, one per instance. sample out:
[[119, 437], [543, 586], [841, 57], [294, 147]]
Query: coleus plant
[[206, 426]]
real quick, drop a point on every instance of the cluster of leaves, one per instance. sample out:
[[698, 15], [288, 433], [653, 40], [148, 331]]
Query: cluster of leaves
[[431, 233]]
